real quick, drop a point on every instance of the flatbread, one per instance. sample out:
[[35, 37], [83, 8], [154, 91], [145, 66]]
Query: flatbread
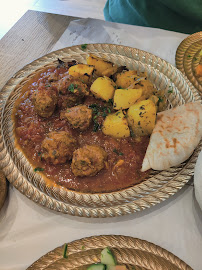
[[175, 136]]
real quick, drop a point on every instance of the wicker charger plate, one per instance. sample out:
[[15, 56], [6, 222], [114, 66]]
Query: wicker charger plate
[[158, 187], [188, 57], [135, 253]]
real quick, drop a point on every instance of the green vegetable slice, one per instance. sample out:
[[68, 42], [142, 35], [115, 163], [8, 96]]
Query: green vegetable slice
[[65, 251], [107, 257], [98, 266]]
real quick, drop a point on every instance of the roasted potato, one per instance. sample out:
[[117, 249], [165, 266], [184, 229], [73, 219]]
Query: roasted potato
[[141, 117], [162, 101], [102, 66], [116, 125], [103, 87], [124, 98], [82, 72], [110, 71], [126, 78], [147, 87], [155, 99]]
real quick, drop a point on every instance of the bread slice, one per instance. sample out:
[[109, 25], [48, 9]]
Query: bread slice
[[175, 136]]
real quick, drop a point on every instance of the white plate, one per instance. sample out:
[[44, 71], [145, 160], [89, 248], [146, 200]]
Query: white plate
[[198, 180]]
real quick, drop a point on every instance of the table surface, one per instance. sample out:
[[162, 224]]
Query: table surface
[[27, 230]]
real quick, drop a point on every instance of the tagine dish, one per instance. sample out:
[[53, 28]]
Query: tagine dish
[[87, 126], [100, 124]]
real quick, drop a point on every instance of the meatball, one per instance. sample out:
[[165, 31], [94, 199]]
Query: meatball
[[58, 147], [69, 85], [88, 160], [71, 91], [45, 100], [79, 116]]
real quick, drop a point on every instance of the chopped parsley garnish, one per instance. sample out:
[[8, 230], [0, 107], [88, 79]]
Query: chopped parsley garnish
[[104, 114], [95, 108], [160, 99], [132, 134], [83, 247], [84, 46], [110, 101], [95, 126], [38, 169], [98, 110], [117, 152], [189, 56], [71, 88], [65, 252], [195, 58]]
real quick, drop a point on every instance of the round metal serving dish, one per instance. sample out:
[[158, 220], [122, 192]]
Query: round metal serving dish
[[158, 187], [135, 253]]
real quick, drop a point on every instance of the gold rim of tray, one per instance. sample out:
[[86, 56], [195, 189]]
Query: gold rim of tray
[[135, 253]]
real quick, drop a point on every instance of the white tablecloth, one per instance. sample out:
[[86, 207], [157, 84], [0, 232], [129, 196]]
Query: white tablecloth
[[28, 231]]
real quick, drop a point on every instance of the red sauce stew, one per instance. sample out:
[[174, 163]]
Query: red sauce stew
[[125, 156]]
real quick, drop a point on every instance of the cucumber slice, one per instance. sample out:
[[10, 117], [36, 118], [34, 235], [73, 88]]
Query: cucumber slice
[[107, 257], [98, 266]]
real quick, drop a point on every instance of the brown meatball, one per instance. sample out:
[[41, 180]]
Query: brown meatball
[[71, 91], [45, 100], [69, 85], [58, 147], [88, 160], [79, 116]]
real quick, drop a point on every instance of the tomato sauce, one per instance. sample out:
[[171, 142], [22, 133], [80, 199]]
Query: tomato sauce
[[125, 156]]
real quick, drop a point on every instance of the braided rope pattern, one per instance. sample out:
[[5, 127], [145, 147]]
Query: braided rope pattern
[[187, 58], [128, 250], [156, 188]]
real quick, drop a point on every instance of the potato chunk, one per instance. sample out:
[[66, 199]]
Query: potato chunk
[[126, 78], [101, 65], [82, 72], [124, 98], [103, 87], [116, 125], [141, 117], [110, 71], [147, 87]]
